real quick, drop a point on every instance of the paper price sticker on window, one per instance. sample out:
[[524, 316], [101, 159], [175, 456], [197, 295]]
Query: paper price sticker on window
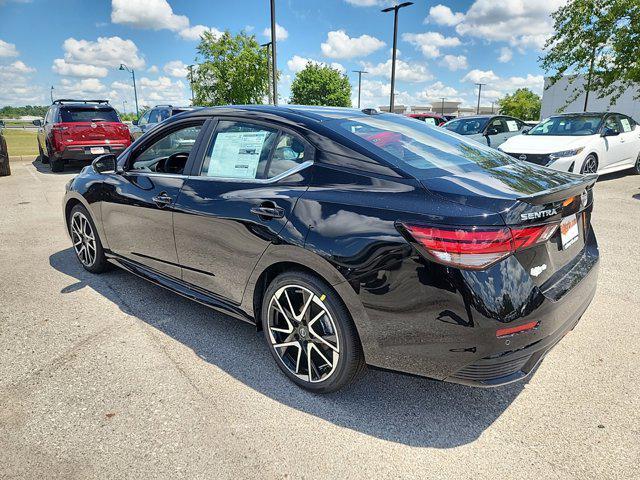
[[236, 154], [512, 125]]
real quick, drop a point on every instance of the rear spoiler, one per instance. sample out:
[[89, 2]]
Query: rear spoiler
[[561, 192]]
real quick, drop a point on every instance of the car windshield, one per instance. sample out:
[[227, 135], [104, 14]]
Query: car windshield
[[88, 114], [571, 126], [467, 126], [417, 148]]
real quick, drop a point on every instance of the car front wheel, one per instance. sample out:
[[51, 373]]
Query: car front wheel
[[636, 168], [310, 333], [590, 165]]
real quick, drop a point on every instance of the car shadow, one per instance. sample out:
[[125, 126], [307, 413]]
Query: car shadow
[[46, 169], [614, 176], [390, 406]]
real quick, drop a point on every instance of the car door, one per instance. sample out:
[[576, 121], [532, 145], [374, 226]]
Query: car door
[[237, 201], [45, 129], [137, 212], [631, 139], [615, 147], [514, 127], [496, 132]]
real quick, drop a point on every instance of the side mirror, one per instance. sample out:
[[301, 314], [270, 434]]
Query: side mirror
[[104, 163], [610, 132], [492, 131], [1, 123], [37, 123], [135, 122]]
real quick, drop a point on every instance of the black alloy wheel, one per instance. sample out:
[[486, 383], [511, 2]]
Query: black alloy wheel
[[310, 333], [590, 165]]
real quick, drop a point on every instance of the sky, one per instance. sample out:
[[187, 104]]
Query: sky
[[444, 48]]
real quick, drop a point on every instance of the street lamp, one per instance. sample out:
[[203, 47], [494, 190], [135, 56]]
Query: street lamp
[[124, 107], [268, 47], [51, 93], [274, 63], [443, 99], [190, 67], [480, 85], [394, 9], [135, 91], [359, 72]]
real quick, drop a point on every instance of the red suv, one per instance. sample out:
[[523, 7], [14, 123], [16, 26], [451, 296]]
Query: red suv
[[80, 130]]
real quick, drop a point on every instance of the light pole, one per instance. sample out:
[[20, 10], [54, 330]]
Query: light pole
[[51, 93], [135, 91], [394, 9], [480, 85], [268, 46], [442, 108], [274, 63], [359, 72], [124, 107]]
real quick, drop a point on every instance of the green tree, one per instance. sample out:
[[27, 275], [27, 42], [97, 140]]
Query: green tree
[[522, 103], [233, 70], [599, 39], [319, 84]]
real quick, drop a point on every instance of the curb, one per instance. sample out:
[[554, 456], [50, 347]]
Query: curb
[[22, 158]]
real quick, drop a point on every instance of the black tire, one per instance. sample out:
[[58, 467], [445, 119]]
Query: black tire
[[56, 164], [349, 364], [636, 168], [98, 263], [589, 165], [44, 159]]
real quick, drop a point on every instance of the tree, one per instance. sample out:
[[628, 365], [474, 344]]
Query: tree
[[233, 70], [599, 39], [319, 84], [522, 103]]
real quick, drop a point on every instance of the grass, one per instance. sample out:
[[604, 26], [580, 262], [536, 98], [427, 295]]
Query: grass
[[21, 142]]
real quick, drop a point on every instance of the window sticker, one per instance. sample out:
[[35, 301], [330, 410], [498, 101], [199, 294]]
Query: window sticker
[[430, 121], [626, 126], [236, 154], [512, 125]]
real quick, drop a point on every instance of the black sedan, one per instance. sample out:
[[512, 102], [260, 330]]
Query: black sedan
[[349, 238]]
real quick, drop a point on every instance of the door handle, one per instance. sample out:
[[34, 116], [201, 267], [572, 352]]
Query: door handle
[[162, 200], [268, 210]]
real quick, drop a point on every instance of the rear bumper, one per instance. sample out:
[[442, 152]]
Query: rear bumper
[[82, 153]]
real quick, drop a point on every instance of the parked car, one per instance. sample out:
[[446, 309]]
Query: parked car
[[581, 142], [5, 168], [424, 253], [154, 116], [491, 130], [432, 119], [79, 131]]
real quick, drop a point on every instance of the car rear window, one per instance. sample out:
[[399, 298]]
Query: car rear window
[[416, 148], [88, 114]]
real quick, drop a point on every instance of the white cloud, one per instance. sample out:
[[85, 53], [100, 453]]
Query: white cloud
[[153, 69], [81, 88], [429, 43], [521, 23], [151, 92], [367, 3], [297, 64], [281, 32], [340, 45], [480, 76], [442, 15], [176, 68], [17, 86], [375, 93], [61, 67], [8, 49], [455, 62], [407, 72], [438, 91], [151, 14], [194, 33], [505, 55], [108, 52]]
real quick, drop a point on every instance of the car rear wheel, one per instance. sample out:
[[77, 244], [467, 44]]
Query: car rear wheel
[[590, 165], [86, 243], [43, 157], [56, 164], [310, 333], [636, 168]]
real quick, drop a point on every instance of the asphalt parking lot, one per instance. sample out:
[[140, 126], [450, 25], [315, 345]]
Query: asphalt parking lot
[[111, 377]]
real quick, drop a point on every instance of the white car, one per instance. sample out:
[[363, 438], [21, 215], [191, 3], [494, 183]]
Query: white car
[[581, 143]]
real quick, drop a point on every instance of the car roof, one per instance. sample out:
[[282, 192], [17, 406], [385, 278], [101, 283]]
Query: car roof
[[581, 114]]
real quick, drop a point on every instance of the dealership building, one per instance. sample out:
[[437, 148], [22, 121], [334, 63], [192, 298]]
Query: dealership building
[[556, 96]]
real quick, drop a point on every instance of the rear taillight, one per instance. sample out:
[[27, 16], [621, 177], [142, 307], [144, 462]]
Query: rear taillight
[[476, 248]]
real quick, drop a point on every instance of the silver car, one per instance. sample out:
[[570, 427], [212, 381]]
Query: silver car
[[491, 130], [153, 117]]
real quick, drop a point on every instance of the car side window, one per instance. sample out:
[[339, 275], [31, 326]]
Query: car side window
[[168, 154], [498, 126], [154, 116], [612, 123], [626, 123], [163, 114], [289, 154], [512, 124], [239, 150]]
